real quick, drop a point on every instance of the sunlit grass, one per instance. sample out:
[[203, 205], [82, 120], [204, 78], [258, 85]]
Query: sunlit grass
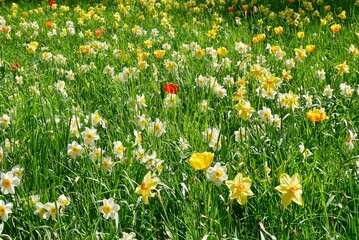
[[180, 120]]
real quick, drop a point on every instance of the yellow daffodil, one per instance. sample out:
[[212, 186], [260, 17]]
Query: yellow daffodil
[[148, 184], [300, 35], [291, 189], [342, 15], [159, 53], [244, 109], [335, 28], [317, 115], [240, 188], [201, 161], [278, 30], [31, 47], [342, 68], [310, 48]]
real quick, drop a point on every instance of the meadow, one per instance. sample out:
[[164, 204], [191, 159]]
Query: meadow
[[165, 119]]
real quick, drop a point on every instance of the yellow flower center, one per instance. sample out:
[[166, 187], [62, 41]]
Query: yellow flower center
[[106, 164], [90, 136], [267, 115], [293, 188], [157, 127], [6, 183], [53, 211], [107, 209], [96, 153], [97, 117], [18, 173], [240, 187], [2, 210], [218, 173], [42, 212], [75, 149], [64, 202]]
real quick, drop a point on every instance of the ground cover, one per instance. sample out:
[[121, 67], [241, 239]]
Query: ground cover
[[179, 120]]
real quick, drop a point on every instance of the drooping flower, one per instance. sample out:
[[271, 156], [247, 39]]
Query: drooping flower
[[148, 184], [291, 189], [41, 210], [240, 188], [305, 151], [51, 210], [63, 201], [109, 208], [349, 140], [201, 161]]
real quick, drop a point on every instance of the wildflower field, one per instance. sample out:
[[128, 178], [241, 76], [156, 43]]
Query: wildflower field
[[174, 119]]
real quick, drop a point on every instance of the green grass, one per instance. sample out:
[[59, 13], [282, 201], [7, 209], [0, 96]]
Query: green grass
[[186, 205]]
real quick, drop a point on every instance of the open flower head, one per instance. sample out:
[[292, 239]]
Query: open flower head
[[240, 188], [201, 161], [317, 115], [217, 174], [5, 209], [291, 189], [109, 209], [9, 182], [148, 184]]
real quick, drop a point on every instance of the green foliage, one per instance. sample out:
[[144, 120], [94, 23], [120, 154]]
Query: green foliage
[[99, 59]]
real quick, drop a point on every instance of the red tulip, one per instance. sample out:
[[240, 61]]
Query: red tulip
[[14, 66], [52, 3], [171, 88]]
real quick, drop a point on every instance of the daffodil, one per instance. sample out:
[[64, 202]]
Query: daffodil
[[342, 68], [5, 210], [317, 115], [240, 188], [217, 174], [291, 189], [244, 109], [148, 184], [31, 47], [109, 209]]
